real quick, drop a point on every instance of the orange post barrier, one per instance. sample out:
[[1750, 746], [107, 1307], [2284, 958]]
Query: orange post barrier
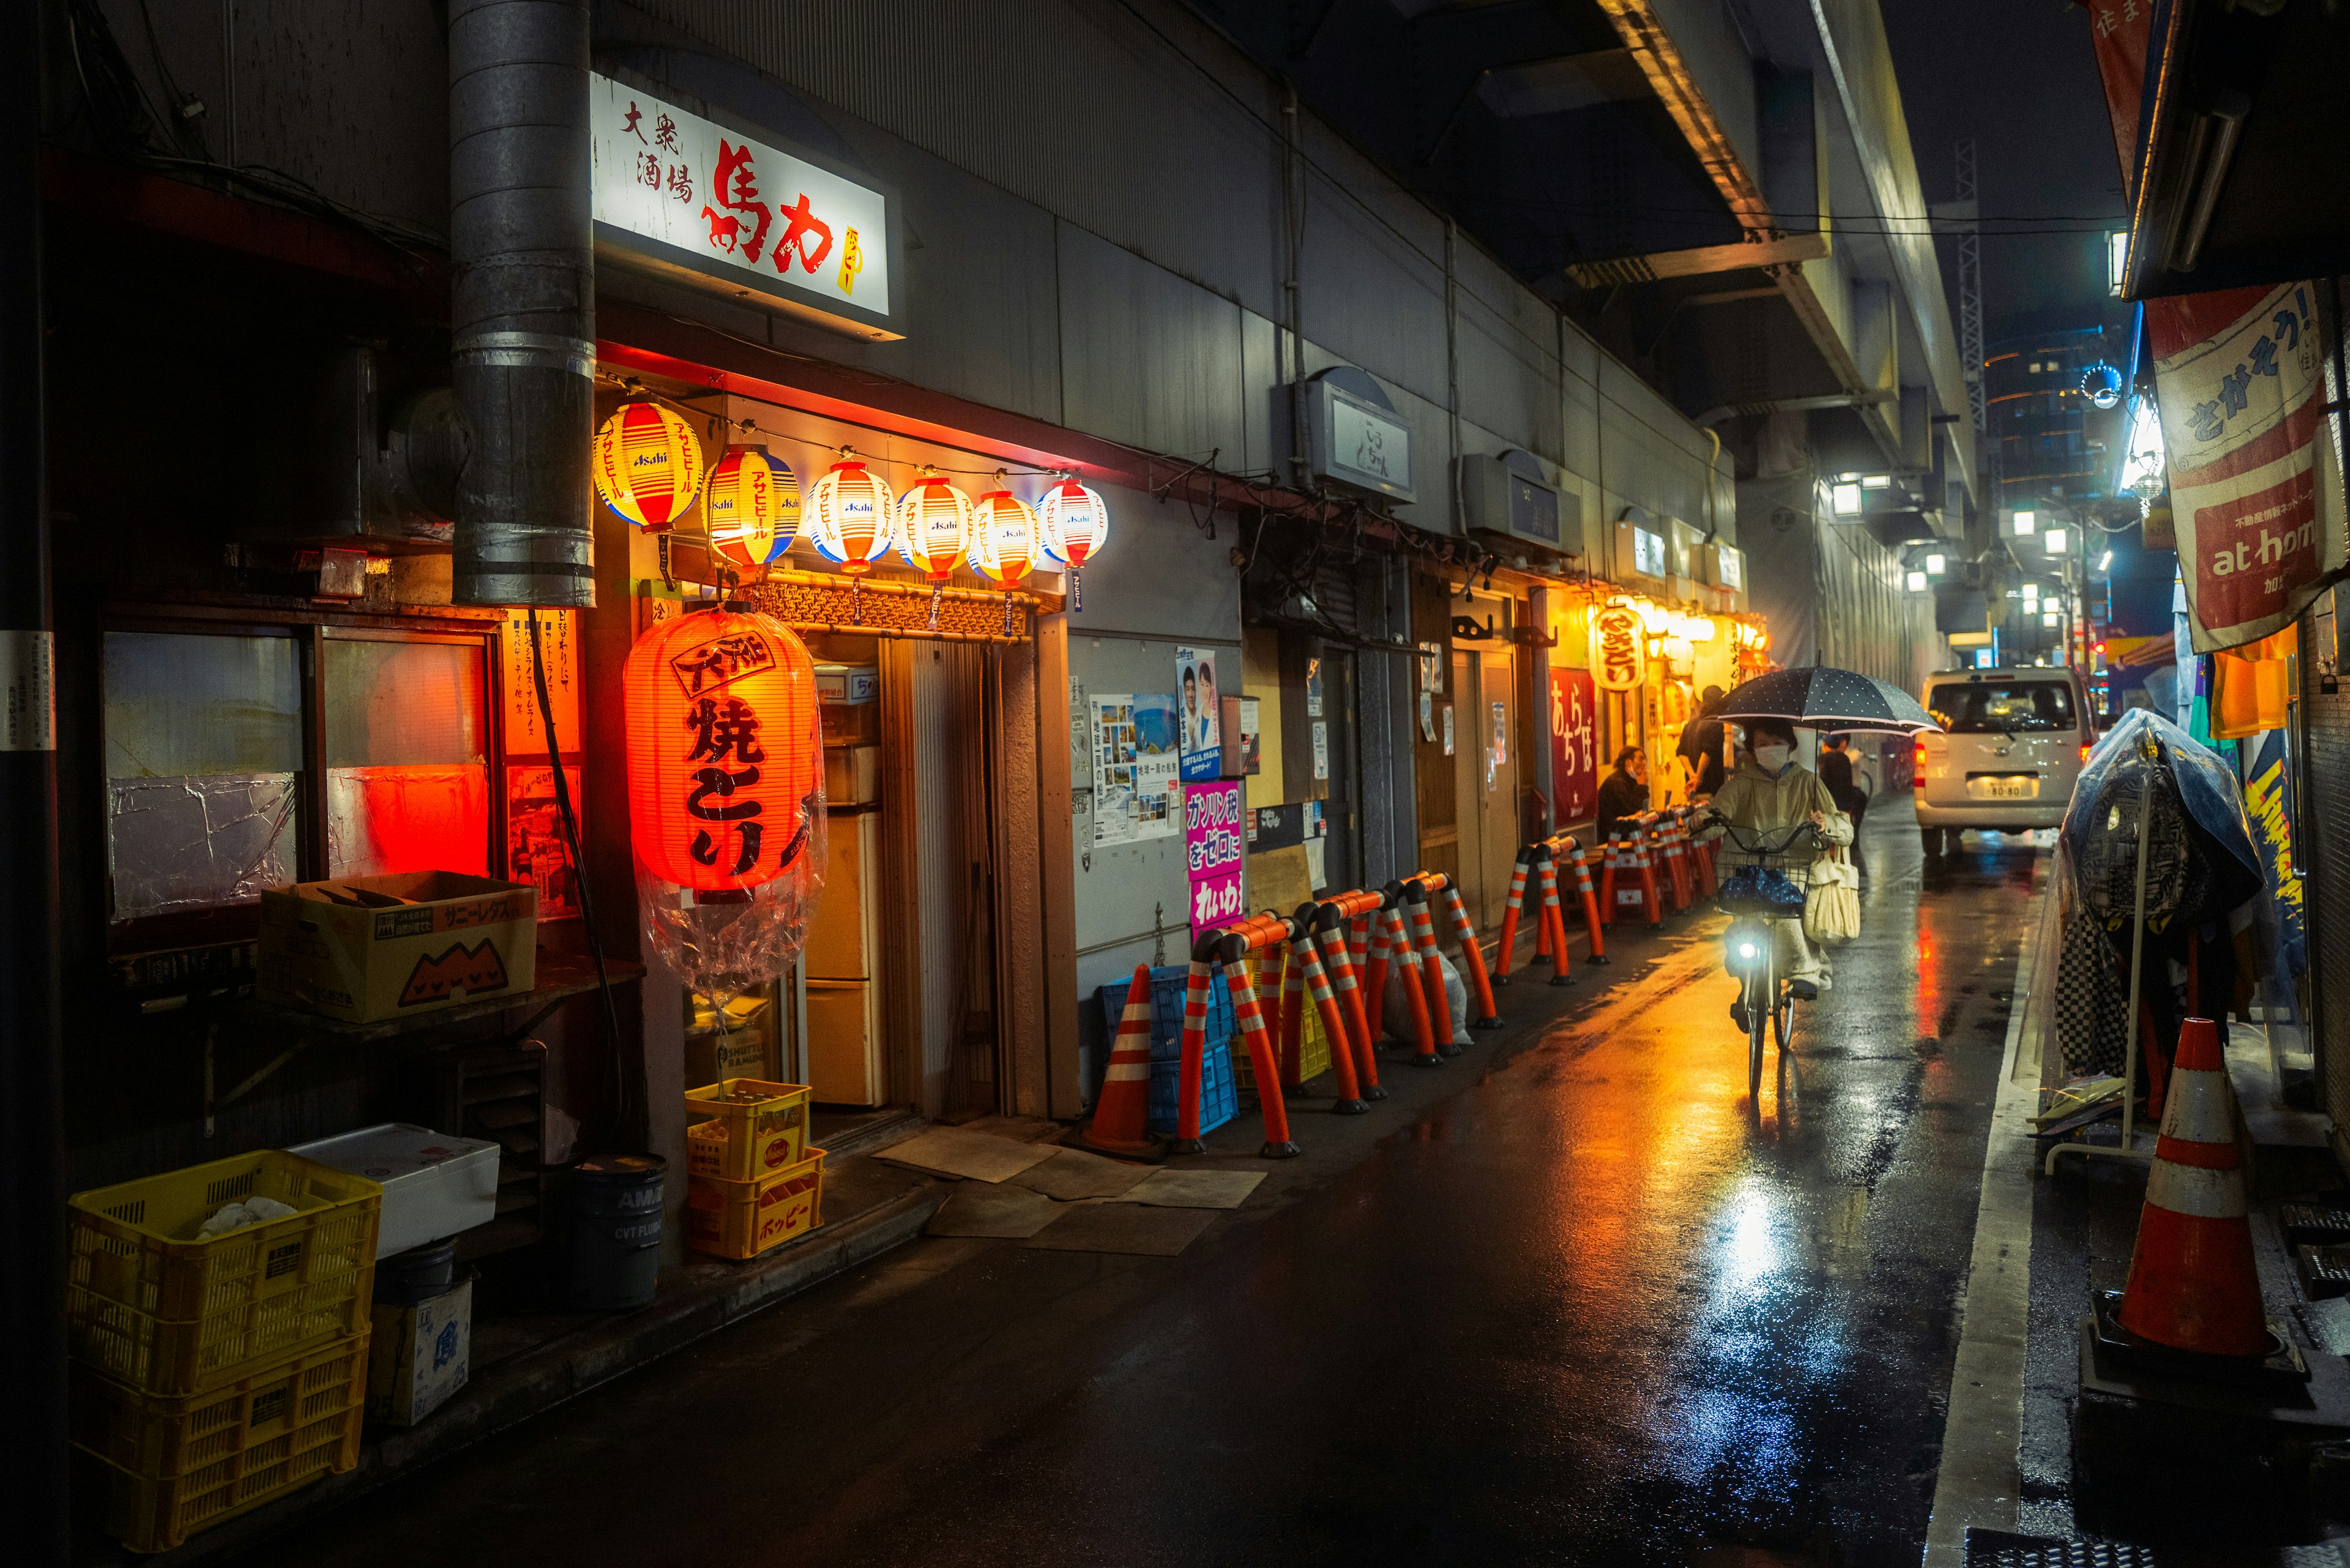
[[1122, 1114], [1573, 848], [1669, 840], [2192, 1281], [1415, 996], [1473, 953], [1509, 920], [1197, 987], [1293, 1017], [1554, 921], [1431, 967], [1339, 961], [1648, 865], [1375, 976], [1304, 953], [1709, 882], [1249, 1017]]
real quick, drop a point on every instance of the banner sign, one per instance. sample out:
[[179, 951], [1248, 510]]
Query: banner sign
[[1214, 840], [2119, 32], [2256, 496], [1574, 744], [2268, 801], [693, 195]]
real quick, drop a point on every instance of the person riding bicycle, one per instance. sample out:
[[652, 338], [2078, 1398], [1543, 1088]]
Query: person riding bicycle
[[1770, 794]]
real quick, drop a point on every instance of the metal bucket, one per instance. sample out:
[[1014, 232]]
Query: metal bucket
[[417, 1275], [615, 1231]]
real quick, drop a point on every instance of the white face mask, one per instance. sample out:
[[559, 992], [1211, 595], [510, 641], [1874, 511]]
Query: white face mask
[[1772, 758]]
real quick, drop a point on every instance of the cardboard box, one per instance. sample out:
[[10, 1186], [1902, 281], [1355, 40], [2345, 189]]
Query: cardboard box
[[418, 1356], [363, 948]]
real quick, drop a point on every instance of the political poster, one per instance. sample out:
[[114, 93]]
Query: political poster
[[1200, 715], [1214, 842]]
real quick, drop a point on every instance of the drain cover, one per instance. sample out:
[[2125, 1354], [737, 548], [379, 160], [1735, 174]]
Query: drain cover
[[1997, 1549]]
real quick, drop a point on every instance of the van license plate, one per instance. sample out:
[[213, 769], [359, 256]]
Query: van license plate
[[2021, 786]]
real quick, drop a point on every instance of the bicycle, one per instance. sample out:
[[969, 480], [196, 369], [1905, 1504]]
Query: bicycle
[[1764, 883]]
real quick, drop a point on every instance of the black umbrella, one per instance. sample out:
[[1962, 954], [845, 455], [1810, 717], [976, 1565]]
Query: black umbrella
[[1822, 699]]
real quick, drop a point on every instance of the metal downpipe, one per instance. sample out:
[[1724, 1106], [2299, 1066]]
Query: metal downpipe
[[522, 300]]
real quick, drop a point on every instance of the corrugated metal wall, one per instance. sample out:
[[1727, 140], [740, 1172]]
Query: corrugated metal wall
[[2326, 821]]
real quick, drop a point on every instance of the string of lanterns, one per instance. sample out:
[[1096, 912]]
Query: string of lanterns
[[650, 473]]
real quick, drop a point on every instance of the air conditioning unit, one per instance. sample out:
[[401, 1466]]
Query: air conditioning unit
[[1513, 497], [1725, 567]]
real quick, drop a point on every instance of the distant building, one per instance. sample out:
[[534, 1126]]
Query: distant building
[[2053, 441]]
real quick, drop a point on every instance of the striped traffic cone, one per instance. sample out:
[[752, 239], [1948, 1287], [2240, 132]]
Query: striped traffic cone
[[2192, 1283], [1120, 1124]]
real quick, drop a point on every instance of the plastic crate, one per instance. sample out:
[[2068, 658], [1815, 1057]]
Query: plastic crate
[[150, 1305], [1312, 1047], [1167, 985], [745, 1139], [744, 1219], [1220, 1101], [151, 1469]]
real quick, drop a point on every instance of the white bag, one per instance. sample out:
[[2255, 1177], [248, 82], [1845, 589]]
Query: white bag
[[1395, 1007], [1832, 904]]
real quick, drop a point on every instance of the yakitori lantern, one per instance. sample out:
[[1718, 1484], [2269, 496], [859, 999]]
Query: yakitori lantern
[[648, 466], [725, 793], [849, 513], [1071, 524], [933, 528], [1002, 537], [754, 507]]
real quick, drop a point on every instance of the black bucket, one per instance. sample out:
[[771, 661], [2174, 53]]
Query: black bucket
[[615, 1231], [417, 1275]]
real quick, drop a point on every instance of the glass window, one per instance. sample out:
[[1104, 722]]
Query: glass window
[[204, 739], [1987, 708], [407, 782]]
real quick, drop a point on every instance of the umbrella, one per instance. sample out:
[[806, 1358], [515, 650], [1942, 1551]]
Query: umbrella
[[1823, 698]]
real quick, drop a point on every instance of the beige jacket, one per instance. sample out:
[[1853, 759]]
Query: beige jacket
[[1757, 802]]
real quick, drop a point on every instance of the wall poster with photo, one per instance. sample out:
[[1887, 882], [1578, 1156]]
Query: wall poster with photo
[[1199, 713], [537, 852], [1135, 761]]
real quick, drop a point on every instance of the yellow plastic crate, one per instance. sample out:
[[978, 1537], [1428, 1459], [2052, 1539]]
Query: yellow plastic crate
[[755, 1128], [745, 1218], [153, 1306], [1314, 1045], [152, 1470]]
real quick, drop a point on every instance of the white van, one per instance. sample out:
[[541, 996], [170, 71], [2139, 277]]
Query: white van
[[2015, 742]]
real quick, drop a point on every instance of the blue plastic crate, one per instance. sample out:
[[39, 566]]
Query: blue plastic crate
[[1166, 986], [1219, 1095]]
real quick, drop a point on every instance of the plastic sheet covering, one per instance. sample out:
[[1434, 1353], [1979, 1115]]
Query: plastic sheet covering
[[198, 841], [385, 819], [2200, 867]]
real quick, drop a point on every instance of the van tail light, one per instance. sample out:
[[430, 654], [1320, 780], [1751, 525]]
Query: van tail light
[[2084, 749], [1918, 768]]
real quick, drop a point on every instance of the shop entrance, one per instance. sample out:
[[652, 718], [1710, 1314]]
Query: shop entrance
[[1485, 777]]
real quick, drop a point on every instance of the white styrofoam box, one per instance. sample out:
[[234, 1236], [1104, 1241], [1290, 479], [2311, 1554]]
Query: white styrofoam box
[[419, 1356], [434, 1185]]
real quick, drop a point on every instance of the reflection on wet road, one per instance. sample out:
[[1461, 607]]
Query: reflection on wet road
[[1595, 1308]]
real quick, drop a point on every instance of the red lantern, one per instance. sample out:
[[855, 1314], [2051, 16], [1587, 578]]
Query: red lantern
[[753, 508], [647, 466], [1002, 537], [848, 515], [725, 757]]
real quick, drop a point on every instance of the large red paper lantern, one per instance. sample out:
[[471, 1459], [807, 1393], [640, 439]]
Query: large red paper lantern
[[848, 515], [1003, 538], [754, 507], [933, 528], [647, 466], [725, 754]]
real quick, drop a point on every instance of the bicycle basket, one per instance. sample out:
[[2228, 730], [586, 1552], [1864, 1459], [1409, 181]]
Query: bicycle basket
[[1760, 891]]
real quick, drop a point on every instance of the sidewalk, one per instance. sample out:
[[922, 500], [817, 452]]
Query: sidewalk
[[525, 1367]]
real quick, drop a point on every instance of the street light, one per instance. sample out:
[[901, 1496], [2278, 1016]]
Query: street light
[[1848, 500], [2105, 561], [2053, 541], [2027, 524], [1936, 566], [1917, 581]]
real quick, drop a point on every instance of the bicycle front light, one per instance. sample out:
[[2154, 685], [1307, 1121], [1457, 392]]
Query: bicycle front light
[[1747, 952]]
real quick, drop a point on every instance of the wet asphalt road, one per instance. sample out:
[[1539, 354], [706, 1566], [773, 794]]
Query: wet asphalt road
[[1591, 1308]]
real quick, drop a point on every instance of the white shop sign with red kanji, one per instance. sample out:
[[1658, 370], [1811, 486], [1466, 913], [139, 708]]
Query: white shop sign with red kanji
[[688, 193]]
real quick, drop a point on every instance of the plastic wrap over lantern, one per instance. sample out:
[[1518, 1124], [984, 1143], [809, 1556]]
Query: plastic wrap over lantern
[[1071, 524], [647, 466], [1002, 537], [753, 509], [848, 515], [725, 795]]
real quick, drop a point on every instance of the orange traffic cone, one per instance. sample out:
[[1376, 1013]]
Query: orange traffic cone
[[1120, 1124], [2192, 1283]]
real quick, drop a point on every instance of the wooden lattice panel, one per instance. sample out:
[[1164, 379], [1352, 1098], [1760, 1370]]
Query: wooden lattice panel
[[809, 603]]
